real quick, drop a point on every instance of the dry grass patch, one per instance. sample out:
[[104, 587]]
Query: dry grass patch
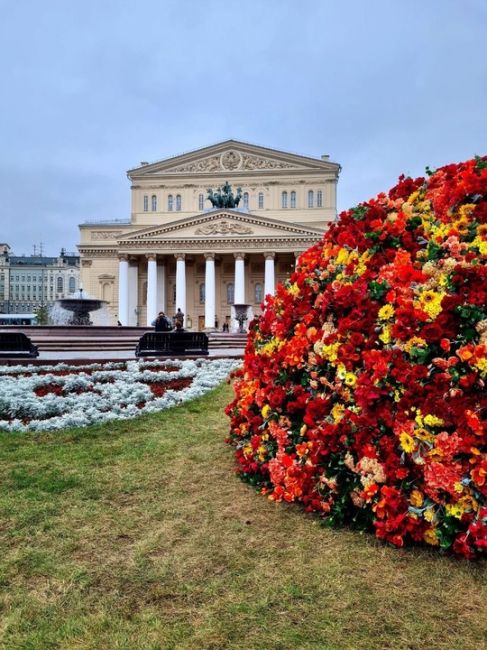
[[138, 535]]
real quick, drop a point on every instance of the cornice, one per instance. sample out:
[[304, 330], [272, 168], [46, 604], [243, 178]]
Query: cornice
[[238, 146], [252, 244], [246, 218]]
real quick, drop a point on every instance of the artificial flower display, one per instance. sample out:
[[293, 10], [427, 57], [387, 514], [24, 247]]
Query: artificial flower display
[[362, 394], [46, 398]]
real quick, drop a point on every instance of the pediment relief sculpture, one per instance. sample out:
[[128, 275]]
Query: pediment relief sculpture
[[224, 228], [232, 160]]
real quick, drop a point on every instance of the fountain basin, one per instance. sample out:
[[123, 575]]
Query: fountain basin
[[80, 308]]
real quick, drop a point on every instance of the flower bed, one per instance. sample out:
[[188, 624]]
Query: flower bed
[[45, 398], [362, 394]]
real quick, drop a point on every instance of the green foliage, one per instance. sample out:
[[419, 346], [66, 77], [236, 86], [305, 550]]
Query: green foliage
[[42, 315]]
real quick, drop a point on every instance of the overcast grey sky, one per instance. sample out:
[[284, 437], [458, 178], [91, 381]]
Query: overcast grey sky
[[92, 87]]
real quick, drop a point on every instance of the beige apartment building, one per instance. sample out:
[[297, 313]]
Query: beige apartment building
[[179, 251]]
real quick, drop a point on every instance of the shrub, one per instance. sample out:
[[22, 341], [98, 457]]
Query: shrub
[[362, 393]]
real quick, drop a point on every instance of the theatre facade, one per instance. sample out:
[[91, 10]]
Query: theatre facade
[[178, 250]]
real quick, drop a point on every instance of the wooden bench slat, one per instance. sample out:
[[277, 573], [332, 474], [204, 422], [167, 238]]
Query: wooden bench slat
[[169, 343]]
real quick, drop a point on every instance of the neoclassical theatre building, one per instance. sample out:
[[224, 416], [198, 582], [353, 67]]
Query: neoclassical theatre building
[[178, 250]]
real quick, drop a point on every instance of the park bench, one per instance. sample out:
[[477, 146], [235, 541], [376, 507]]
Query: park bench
[[171, 344], [16, 344]]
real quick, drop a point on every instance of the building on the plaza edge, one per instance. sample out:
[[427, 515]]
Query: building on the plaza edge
[[28, 282], [179, 251]]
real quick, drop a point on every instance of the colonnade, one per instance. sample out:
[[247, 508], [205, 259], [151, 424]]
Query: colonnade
[[156, 284]]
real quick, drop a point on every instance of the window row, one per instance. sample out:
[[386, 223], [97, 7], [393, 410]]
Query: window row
[[175, 202], [311, 199]]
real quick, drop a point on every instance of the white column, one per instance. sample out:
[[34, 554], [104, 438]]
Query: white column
[[151, 288], [133, 279], [181, 283], [161, 287], [296, 258], [210, 289], [239, 297], [123, 290], [269, 274]]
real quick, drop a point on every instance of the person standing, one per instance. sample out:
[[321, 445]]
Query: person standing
[[179, 318]]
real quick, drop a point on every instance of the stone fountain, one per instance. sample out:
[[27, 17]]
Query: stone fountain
[[80, 308], [241, 311]]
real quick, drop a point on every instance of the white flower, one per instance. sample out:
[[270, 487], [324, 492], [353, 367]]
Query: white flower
[[99, 392]]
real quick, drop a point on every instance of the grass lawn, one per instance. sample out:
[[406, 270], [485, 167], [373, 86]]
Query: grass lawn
[[137, 535]]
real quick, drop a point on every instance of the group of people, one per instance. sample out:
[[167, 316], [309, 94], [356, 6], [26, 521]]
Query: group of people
[[164, 324]]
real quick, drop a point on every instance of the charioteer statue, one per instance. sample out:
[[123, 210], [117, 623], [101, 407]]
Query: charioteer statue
[[224, 196]]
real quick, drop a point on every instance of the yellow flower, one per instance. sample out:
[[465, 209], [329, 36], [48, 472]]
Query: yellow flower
[[414, 342], [430, 302], [247, 450], [416, 499], [270, 347], [407, 442], [329, 352], [429, 514], [454, 510], [342, 257], [433, 421], [481, 364], [386, 337], [424, 434], [337, 412], [350, 379], [266, 411], [293, 289], [430, 537], [386, 312]]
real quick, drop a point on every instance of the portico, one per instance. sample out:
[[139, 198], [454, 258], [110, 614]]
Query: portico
[[184, 253], [208, 278]]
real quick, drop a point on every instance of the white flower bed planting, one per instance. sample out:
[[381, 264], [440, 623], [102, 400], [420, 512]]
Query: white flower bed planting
[[46, 398]]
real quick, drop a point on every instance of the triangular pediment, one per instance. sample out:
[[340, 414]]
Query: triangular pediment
[[231, 157], [220, 225]]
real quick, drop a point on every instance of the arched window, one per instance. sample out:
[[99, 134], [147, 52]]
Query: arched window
[[310, 199], [284, 200], [170, 203], [60, 285], [230, 293], [261, 200], [105, 291], [201, 202], [246, 200], [259, 292], [202, 293], [178, 202], [146, 203], [154, 203], [319, 199], [293, 199], [72, 285]]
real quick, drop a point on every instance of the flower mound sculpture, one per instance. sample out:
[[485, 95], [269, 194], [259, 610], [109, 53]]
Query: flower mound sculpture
[[362, 393]]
